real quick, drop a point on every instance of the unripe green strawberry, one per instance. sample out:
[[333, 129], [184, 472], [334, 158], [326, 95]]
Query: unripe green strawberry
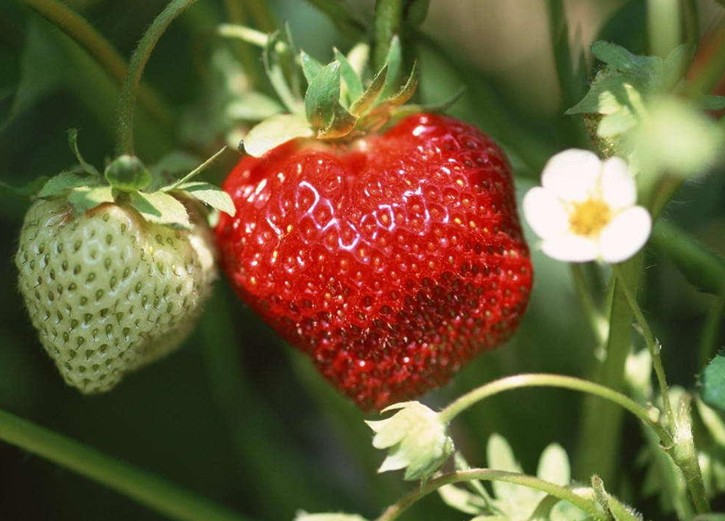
[[109, 291]]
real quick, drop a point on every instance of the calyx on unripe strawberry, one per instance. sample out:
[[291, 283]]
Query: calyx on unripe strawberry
[[113, 277]]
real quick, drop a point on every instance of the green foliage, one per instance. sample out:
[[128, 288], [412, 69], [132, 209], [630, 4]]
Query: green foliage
[[713, 383]]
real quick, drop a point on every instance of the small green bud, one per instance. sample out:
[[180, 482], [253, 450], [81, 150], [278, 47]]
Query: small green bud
[[417, 440], [127, 174]]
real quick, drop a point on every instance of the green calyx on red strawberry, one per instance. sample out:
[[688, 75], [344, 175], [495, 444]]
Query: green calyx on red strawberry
[[112, 272], [391, 254]]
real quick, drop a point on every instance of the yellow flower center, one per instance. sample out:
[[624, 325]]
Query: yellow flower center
[[589, 217]]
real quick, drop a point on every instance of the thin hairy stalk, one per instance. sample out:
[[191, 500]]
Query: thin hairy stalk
[[586, 505], [388, 23], [139, 59], [142, 487], [654, 349], [522, 381]]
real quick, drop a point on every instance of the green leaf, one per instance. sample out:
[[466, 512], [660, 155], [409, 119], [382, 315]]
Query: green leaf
[[712, 381], [709, 517], [274, 131], [352, 84], [65, 181], [85, 198], [73, 144], [322, 104], [620, 59], [322, 95], [28, 190], [371, 95], [160, 208], [394, 63], [209, 194], [310, 66]]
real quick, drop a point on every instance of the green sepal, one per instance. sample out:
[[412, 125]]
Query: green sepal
[[85, 198], [621, 60], [169, 167], [353, 87], [280, 66], [209, 194], [324, 112], [712, 388], [394, 63], [274, 131], [371, 94], [127, 173], [310, 67], [441, 106], [62, 183], [73, 144], [27, 190], [160, 208]]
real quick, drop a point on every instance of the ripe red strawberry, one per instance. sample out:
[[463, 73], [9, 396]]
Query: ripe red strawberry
[[391, 261]]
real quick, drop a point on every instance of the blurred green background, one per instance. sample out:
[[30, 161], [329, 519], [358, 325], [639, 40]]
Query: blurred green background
[[236, 415]]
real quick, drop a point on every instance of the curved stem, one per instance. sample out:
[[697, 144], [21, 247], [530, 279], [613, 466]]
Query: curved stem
[[141, 55], [147, 489], [559, 381], [97, 46], [563, 493], [663, 25], [654, 349]]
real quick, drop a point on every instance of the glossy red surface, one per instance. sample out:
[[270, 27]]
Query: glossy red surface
[[391, 261]]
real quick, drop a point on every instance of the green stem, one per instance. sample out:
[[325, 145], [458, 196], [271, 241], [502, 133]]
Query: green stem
[[599, 435], [97, 46], [711, 330], [589, 506], [139, 59], [553, 380], [147, 489], [388, 23], [652, 345], [663, 26], [597, 323]]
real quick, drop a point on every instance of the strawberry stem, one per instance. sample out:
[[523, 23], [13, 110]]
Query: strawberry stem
[[663, 24], [522, 381], [599, 435], [589, 506], [147, 489], [388, 23], [100, 49], [139, 59]]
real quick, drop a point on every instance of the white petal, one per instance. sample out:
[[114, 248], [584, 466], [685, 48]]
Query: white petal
[[545, 213], [571, 248], [573, 175], [625, 234], [617, 184]]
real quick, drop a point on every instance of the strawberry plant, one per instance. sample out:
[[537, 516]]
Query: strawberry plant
[[481, 237]]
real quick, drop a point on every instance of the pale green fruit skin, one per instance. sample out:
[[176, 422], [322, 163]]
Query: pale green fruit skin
[[109, 292]]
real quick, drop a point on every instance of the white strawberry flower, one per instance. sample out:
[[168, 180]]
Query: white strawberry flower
[[585, 209]]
